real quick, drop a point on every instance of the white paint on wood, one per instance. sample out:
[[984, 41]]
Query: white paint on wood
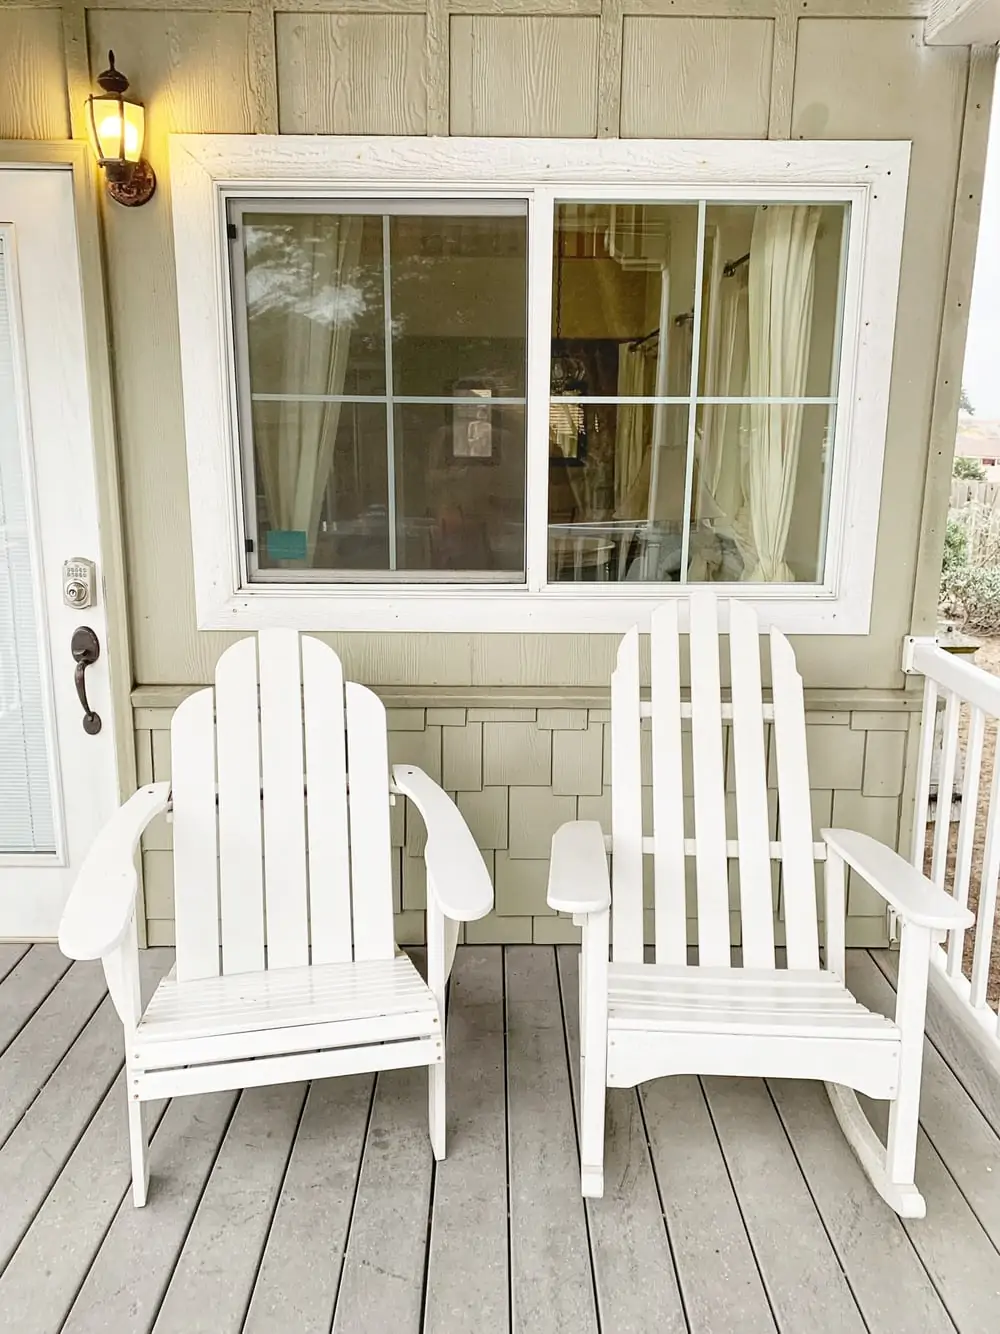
[[669, 864], [196, 886], [241, 851], [283, 782], [626, 808], [326, 785], [750, 766], [708, 784], [371, 880], [963, 23], [798, 873]]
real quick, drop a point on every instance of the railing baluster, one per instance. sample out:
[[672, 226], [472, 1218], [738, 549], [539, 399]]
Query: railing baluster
[[945, 789], [966, 832], [928, 719], [983, 948]]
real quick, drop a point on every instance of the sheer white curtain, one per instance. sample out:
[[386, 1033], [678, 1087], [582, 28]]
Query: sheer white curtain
[[629, 443], [780, 307], [295, 468]]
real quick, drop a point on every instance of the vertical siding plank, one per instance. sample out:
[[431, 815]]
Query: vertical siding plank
[[695, 77], [524, 75], [32, 75], [352, 73], [283, 782], [196, 883], [241, 866]]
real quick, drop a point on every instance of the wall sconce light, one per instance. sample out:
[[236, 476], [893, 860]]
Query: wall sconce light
[[117, 124]]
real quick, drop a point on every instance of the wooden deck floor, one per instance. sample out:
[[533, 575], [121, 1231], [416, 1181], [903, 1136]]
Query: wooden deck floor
[[731, 1206]]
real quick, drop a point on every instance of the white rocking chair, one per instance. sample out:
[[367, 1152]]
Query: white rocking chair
[[642, 1020], [286, 964]]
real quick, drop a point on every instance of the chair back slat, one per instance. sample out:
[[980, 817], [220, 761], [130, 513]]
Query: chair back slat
[[371, 862], [241, 852], [798, 866], [670, 863], [196, 886], [282, 775], [626, 805], [712, 869], [326, 785], [750, 771]]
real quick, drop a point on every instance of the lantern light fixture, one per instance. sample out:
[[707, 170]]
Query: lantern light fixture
[[116, 124]]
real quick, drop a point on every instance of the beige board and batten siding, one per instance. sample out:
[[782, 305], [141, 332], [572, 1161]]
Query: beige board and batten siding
[[573, 68]]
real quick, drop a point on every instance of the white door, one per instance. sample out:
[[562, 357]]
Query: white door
[[57, 780]]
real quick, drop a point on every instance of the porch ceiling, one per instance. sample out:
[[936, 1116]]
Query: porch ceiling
[[731, 1205]]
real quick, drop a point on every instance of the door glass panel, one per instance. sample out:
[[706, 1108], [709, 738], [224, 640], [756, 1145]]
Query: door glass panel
[[26, 817]]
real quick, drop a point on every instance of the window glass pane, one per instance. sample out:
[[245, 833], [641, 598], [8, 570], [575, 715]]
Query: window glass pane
[[314, 303], [623, 279], [763, 487], [27, 821], [460, 488], [459, 296], [322, 495], [616, 510], [776, 270], [341, 479]]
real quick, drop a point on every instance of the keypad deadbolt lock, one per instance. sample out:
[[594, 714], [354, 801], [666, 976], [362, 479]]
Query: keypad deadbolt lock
[[79, 583]]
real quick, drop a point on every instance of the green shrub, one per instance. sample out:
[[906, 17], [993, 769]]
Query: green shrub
[[968, 470], [956, 546], [974, 591]]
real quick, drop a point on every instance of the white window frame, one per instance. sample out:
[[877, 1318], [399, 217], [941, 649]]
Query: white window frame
[[207, 170]]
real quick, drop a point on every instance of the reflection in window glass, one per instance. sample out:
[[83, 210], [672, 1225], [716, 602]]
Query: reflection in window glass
[[694, 489], [383, 411]]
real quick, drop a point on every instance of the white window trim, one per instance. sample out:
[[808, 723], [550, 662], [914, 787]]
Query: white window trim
[[206, 169]]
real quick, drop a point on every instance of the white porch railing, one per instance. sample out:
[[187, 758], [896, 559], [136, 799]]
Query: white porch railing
[[961, 702]]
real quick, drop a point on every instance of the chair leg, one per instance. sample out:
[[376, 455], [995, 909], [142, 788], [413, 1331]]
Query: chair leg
[[139, 1151], [436, 1107], [896, 1187], [593, 1093]]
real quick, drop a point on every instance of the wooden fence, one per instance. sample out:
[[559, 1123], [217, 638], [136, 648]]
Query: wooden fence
[[964, 494]]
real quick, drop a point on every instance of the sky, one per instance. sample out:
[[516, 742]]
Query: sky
[[982, 353]]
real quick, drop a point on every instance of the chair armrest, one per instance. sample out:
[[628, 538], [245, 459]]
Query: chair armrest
[[456, 872], [101, 902], [914, 897], [578, 871]]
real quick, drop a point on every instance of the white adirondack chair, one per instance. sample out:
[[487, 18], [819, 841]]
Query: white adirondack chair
[[286, 964], [642, 1020]]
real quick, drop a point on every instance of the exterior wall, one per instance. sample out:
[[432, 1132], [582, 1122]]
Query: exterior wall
[[518, 771], [835, 69]]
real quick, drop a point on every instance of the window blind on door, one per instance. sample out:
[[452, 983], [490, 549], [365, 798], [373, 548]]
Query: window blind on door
[[26, 814]]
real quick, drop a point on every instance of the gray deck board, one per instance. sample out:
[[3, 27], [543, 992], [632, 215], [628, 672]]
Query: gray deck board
[[300, 1272], [633, 1268], [217, 1268], [889, 1283], [384, 1265], [125, 1285], [45, 1039], [800, 1269], [551, 1281], [468, 1280], [729, 1205], [25, 987], [718, 1275]]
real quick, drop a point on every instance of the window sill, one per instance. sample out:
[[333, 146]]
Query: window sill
[[807, 609]]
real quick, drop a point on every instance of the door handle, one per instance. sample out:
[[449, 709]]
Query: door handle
[[86, 649]]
